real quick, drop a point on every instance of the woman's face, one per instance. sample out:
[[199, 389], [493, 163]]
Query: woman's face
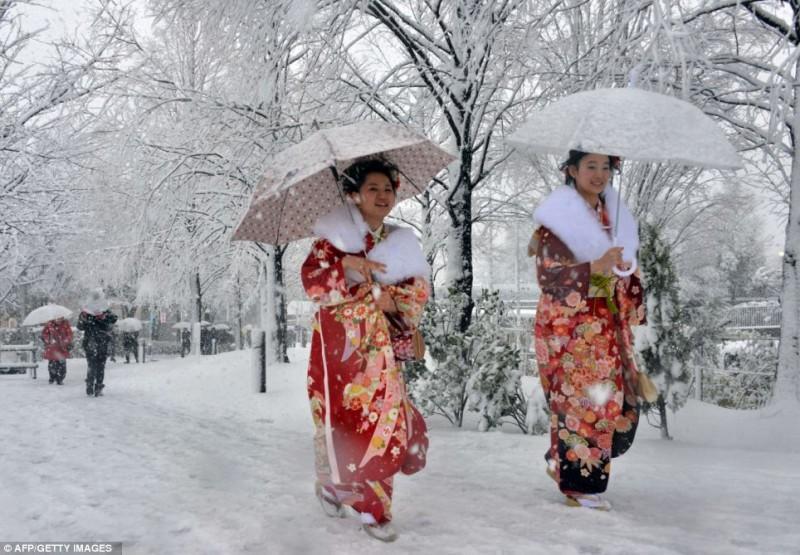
[[377, 196], [592, 173]]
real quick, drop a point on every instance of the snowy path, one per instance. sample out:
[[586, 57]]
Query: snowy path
[[179, 457]]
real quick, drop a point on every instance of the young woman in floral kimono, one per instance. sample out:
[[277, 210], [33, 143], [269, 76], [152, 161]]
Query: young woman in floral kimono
[[369, 280], [582, 329]]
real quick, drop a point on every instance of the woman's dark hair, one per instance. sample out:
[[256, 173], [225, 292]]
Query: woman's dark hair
[[354, 176], [575, 157]]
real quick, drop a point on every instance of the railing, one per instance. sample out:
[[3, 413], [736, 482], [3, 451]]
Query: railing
[[20, 365], [754, 316]]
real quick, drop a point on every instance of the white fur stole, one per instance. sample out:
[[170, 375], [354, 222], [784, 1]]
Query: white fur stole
[[345, 228], [571, 219]]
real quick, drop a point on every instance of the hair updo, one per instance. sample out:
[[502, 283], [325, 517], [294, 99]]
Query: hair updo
[[354, 176], [574, 158]]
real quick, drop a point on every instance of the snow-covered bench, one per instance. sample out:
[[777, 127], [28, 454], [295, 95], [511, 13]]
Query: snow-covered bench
[[19, 366]]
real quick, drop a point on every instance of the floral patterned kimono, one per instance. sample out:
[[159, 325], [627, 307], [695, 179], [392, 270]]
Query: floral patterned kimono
[[584, 343], [367, 430]]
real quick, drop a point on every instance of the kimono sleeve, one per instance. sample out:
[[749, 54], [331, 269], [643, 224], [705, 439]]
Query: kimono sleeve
[[556, 270], [323, 275], [410, 297], [630, 298]]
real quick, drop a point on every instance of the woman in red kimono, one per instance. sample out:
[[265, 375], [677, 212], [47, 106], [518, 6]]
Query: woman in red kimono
[[583, 339], [369, 280], [57, 339]]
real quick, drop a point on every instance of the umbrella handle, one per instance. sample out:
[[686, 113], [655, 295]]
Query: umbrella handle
[[626, 273]]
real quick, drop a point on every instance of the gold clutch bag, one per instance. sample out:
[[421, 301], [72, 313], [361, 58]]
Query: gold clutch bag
[[646, 389]]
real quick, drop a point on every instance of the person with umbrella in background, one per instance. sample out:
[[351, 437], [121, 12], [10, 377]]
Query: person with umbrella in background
[[57, 339], [96, 321], [130, 345], [186, 341], [583, 339], [367, 430]]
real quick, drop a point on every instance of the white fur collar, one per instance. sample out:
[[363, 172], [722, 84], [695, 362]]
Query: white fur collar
[[566, 213], [345, 228]]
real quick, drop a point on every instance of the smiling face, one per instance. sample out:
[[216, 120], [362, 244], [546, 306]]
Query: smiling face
[[592, 174], [377, 197]]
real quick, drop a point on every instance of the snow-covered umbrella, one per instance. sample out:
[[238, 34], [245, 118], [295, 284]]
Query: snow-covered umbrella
[[301, 182], [631, 123], [45, 313], [182, 326], [222, 327], [129, 325]]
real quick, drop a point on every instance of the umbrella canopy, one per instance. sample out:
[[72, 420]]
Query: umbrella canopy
[[221, 327], [45, 313], [631, 123], [182, 326], [130, 325], [299, 185]]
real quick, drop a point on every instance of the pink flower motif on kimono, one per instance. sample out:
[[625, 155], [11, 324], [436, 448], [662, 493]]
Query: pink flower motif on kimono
[[541, 349], [573, 423], [582, 451], [573, 299]]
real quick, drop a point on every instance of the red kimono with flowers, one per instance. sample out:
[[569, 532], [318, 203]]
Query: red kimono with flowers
[[586, 364], [367, 430]]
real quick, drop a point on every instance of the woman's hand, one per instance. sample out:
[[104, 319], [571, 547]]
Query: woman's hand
[[363, 266], [604, 264], [385, 302]]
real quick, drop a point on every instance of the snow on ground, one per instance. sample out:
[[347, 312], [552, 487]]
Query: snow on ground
[[181, 457]]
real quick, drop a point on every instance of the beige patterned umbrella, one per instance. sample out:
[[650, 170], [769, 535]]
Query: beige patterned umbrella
[[300, 184]]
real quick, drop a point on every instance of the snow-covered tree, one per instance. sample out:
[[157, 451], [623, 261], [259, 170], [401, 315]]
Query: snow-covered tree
[[662, 343], [45, 102], [753, 69], [465, 56]]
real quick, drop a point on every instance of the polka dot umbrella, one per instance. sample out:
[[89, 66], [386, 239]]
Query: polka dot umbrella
[[300, 184]]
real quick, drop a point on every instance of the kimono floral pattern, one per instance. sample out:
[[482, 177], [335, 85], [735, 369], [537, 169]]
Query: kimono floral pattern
[[374, 430], [586, 365]]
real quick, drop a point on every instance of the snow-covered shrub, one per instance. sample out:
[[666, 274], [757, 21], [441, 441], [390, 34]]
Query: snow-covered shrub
[[747, 378], [537, 419], [494, 385], [479, 369], [441, 386]]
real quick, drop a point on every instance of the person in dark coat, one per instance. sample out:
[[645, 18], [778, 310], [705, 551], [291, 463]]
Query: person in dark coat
[[186, 342], [96, 321], [57, 339], [130, 345]]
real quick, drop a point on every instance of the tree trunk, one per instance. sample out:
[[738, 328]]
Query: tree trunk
[[281, 334], [427, 240], [662, 416], [787, 387], [239, 333], [459, 243], [267, 315], [197, 312]]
